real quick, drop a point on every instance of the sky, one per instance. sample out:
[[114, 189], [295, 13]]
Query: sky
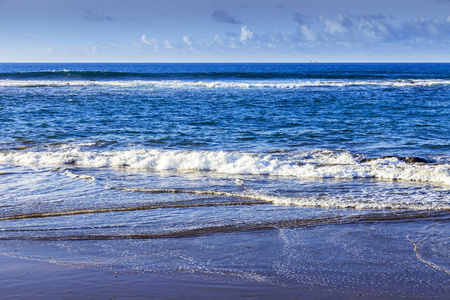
[[224, 30]]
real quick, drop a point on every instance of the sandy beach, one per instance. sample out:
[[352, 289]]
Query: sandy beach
[[327, 262], [25, 279]]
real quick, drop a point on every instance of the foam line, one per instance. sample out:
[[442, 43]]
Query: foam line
[[307, 202], [122, 209], [241, 84], [406, 216], [314, 164]]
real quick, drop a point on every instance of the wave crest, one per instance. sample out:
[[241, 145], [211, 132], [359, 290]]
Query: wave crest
[[236, 84], [313, 164]]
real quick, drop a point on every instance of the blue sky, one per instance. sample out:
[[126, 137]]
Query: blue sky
[[224, 31]]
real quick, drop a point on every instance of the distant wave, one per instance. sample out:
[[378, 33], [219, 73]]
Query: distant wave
[[110, 75], [224, 84], [231, 72], [313, 164]]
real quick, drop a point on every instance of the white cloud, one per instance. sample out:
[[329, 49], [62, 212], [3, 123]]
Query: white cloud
[[339, 25], [326, 33], [218, 40], [307, 33], [167, 44], [187, 40], [426, 29], [144, 39], [153, 43], [246, 34], [367, 29]]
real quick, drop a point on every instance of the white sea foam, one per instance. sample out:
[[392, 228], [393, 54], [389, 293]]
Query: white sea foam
[[383, 200], [238, 84], [314, 164], [362, 199]]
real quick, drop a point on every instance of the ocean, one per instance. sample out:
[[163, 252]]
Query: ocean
[[320, 175]]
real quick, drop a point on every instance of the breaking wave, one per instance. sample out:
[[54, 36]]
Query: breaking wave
[[67, 74], [235, 84], [313, 164], [335, 201]]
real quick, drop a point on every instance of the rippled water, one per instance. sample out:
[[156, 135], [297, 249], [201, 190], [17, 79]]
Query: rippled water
[[150, 152]]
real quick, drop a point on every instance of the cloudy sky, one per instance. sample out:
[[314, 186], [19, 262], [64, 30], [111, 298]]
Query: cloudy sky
[[224, 30]]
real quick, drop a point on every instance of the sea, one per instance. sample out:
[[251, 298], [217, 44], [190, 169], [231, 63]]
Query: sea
[[322, 175]]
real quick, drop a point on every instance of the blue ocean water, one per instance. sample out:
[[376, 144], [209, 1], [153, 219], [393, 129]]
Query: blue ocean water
[[149, 152]]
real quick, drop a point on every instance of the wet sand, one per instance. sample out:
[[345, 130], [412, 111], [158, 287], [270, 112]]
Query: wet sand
[[27, 279], [387, 260]]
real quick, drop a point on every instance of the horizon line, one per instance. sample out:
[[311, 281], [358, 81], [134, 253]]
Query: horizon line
[[227, 62]]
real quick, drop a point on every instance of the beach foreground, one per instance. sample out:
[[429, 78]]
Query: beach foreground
[[339, 262]]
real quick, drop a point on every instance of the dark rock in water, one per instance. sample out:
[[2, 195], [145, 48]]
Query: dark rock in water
[[414, 160], [276, 151], [408, 160]]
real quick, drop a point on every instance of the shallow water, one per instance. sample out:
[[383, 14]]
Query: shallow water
[[135, 165]]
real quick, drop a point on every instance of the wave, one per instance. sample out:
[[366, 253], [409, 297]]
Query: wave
[[334, 202], [405, 216], [224, 84], [312, 164], [197, 75], [190, 204]]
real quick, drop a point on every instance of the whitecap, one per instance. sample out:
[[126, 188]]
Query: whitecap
[[313, 164]]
